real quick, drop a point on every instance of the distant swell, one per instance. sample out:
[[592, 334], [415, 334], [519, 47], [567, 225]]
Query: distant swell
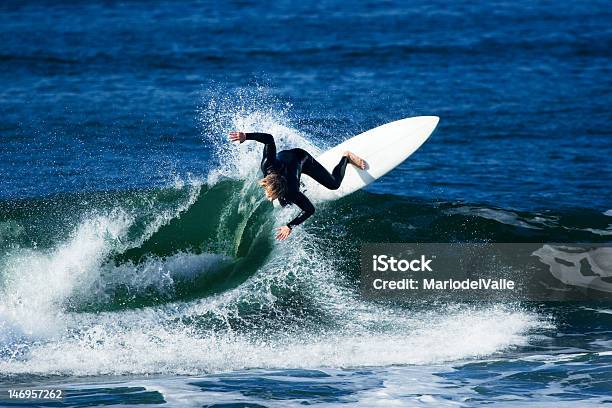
[[560, 47]]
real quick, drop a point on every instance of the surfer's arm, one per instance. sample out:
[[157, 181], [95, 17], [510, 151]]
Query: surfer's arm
[[269, 153], [305, 205]]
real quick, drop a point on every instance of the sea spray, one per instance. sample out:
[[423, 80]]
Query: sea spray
[[36, 284]]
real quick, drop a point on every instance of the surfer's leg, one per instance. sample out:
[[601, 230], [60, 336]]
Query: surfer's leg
[[315, 170]]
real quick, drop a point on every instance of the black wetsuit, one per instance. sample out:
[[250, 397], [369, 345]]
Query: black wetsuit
[[291, 164]]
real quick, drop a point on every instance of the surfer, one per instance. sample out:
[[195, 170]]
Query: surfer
[[282, 174]]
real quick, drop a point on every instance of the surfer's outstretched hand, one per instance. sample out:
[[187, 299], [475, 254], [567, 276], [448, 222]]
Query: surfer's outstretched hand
[[283, 232], [237, 136]]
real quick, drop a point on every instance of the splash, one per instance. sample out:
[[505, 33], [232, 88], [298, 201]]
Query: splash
[[39, 285], [36, 284], [250, 109]]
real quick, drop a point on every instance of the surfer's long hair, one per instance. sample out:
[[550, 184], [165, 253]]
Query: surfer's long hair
[[275, 185]]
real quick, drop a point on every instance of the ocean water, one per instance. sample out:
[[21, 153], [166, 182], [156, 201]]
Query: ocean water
[[137, 259]]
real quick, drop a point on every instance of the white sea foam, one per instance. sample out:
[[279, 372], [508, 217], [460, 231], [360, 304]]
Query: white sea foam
[[160, 274], [501, 216], [36, 283], [142, 342], [600, 231]]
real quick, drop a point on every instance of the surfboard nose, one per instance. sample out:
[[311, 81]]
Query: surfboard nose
[[434, 119], [426, 123]]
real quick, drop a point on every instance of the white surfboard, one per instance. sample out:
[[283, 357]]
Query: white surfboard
[[383, 148]]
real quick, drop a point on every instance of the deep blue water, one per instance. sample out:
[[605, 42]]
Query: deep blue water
[[103, 96], [113, 119]]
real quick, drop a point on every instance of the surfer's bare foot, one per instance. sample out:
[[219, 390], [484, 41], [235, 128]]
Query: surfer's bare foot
[[355, 160]]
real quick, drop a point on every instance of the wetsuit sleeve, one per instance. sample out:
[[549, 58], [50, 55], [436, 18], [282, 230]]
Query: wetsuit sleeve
[[269, 153], [305, 205]]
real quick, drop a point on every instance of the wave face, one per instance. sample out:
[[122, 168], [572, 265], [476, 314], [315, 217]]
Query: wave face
[[188, 279]]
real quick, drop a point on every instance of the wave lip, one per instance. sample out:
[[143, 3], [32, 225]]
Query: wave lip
[[37, 284]]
